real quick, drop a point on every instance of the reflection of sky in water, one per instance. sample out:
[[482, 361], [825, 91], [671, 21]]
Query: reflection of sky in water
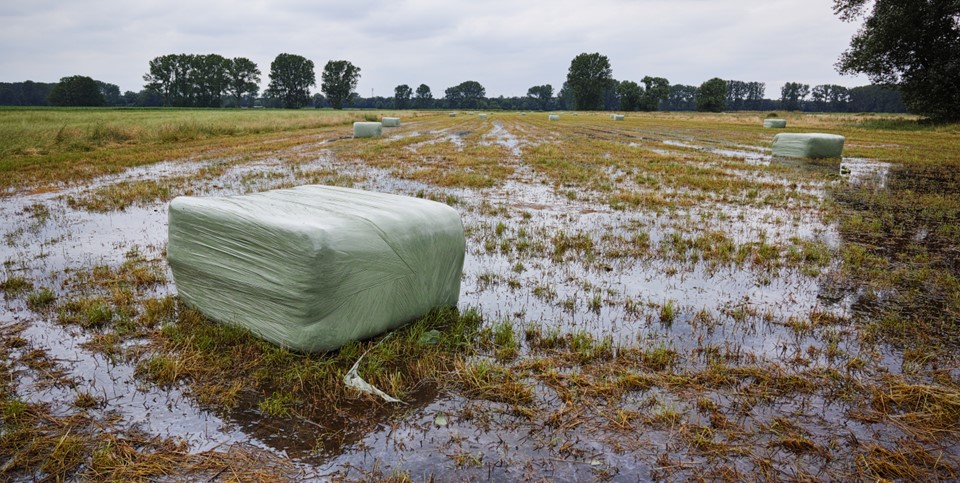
[[78, 240]]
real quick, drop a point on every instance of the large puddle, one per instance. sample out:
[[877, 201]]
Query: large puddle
[[516, 271]]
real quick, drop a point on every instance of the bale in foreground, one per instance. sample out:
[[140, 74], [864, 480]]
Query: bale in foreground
[[314, 267], [390, 122], [367, 129], [809, 145], [775, 123]]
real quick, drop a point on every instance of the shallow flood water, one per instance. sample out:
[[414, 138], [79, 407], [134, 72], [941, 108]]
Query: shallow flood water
[[539, 254]]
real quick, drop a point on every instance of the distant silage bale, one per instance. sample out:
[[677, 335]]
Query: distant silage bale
[[390, 122], [617, 117], [367, 129], [808, 145], [554, 117], [775, 123]]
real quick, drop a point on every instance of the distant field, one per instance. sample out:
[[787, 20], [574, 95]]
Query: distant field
[[653, 298]]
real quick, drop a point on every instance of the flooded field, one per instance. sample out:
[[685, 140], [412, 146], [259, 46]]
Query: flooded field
[[657, 298]]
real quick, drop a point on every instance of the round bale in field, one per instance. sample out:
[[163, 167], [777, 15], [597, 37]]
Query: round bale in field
[[554, 117], [775, 123], [367, 129], [390, 122]]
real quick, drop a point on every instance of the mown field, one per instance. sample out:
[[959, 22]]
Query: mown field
[[653, 298]]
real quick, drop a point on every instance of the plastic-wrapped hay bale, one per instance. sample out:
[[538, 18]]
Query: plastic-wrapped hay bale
[[617, 117], [775, 123], [483, 116], [809, 145], [367, 129], [452, 114], [315, 267], [554, 117], [390, 122]]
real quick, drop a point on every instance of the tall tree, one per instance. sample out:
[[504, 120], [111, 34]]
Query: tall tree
[[630, 94], [541, 96], [656, 90], [793, 95], [466, 95], [209, 80], [243, 78], [911, 44], [755, 93], [291, 76], [682, 98], [424, 97], [339, 79], [111, 94], [830, 98], [712, 95], [588, 78], [401, 96], [77, 90], [736, 95]]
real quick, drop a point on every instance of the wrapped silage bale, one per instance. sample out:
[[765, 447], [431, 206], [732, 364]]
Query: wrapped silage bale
[[775, 123], [808, 145], [554, 117], [315, 267], [367, 129], [483, 116], [452, 114], [390, 122], [617, 117]]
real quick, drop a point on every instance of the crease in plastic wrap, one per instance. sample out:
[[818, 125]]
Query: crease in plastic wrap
[[808, 145], [315, 267]]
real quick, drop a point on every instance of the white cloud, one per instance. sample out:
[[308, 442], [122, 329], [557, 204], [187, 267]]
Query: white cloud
[[506, 45]]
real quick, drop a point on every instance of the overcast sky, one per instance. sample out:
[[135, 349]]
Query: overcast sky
[[506, 45]]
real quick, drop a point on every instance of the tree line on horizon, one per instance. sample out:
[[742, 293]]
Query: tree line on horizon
[[885, 49]]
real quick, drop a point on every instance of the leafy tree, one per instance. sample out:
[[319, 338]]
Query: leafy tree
[[541, 96], [682, 98], [911, 44], [424, 97], [466, 95], [830, 98], [111, 94], [792, 96], [161, 77], [243, 79], [401, 96], [656, 90], [874, 98], [712, 95], [291, 76], [209, 79], [339, 79], [755, 93], [611, 98], [588, 78], [630, 94], [77, 90]]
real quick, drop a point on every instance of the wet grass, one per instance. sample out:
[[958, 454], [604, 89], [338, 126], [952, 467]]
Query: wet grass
[[813, 334]]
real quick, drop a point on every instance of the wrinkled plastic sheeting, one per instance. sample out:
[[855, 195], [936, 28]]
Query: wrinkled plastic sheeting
[[314, 267], [775, 123], [810, 145], [390, 122], [367, 129]]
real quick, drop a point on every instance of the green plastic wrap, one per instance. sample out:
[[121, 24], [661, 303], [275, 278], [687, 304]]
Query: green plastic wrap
[[367, 129], [314, 267], [810, 145], [617, 117], [483, 116], [775, 123], [390, 122], [554, 117]]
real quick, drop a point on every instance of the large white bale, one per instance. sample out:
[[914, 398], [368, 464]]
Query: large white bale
[[808, 145], [483, 116], [315, 267], [554, 117], [390, 121], [775, 123], [617, 117], [367, 129]]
